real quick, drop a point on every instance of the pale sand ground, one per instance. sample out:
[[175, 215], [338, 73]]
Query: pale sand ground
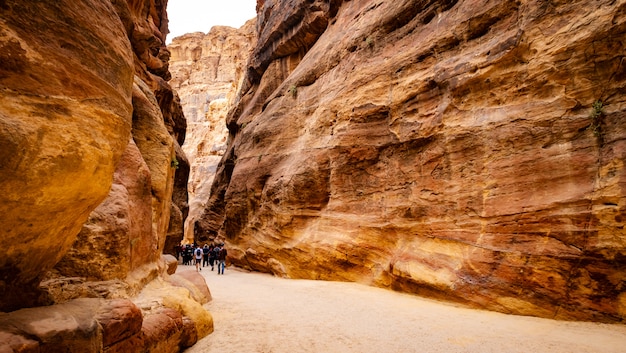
[[259, 313]]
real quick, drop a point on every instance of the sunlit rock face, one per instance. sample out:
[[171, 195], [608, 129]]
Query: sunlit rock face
[[90, 134], [129, 229], [66, 76], [465, 150], [207, 71]]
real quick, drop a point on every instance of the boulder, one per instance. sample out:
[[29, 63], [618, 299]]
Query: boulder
[[195, 283], [158, 294], [190, 334], [120, 319], [69, 327], [171, 263], [162, 331]]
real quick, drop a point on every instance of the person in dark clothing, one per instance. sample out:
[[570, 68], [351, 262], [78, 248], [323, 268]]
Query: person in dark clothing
[[187, 255], [216, 253], [212, 256], [221, 257], [205, 255]]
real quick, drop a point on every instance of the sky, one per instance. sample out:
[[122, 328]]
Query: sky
[[186, 16]]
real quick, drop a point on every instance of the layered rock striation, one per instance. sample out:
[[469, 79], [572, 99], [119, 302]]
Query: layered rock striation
[[207, 71], [468, 150]]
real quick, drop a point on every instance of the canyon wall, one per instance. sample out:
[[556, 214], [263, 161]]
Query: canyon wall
[[66, 118], [468, 150], [93, 181], [207, 71]]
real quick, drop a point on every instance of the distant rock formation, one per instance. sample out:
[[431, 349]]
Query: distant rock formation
[[207, 70], [466, 150], [90, 135]]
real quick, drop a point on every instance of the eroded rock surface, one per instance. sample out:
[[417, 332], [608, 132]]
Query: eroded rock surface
[[467, 150], [207, 71], [66, 74], [88, 325], [90, 132], [128, 231]]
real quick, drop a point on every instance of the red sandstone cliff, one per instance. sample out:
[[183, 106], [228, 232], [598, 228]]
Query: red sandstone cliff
[[93, 180], [469, 150]]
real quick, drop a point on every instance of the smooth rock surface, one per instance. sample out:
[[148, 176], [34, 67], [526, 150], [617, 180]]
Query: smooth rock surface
[[69, 327], [90, 133], [96, 325], [195, 283], [66, 74], [120, 319], [158, 294]]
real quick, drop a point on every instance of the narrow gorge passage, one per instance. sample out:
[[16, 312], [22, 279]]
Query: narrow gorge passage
[[255, 312]]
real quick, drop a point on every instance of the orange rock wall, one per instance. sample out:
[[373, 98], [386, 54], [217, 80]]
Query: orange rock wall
[[66, 75], [467, 150], [90, 133]]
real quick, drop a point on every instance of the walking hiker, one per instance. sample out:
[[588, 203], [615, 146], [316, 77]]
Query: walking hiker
[[216, 253], [187, 255], [198, 253], [205, 255], [222, 259], [212, 256]]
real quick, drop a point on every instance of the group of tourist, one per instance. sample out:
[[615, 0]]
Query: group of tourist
[[209, 255]]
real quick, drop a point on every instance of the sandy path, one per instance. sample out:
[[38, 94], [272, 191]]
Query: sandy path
[[260, 313]]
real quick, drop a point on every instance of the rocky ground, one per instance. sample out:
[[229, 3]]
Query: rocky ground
[[260, 313]]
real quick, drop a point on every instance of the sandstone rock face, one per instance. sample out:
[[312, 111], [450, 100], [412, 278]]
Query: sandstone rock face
[[161, 294], [90, 132], [70, 327], [120, 319], [66, 74], [207, 71], [171, 264], [128, 231], [467, 150], [113, 241], [180, 205]]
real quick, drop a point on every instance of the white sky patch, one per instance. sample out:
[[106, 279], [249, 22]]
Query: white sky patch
[[186, 16]]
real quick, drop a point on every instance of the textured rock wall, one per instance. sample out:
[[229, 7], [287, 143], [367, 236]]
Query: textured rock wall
[[207, 71], [66, 76], [468, 150], [90, 132], [128, 231]]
